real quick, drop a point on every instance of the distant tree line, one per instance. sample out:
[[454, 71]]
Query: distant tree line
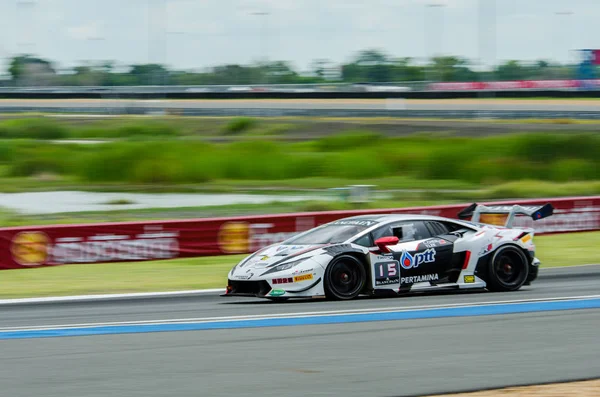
[[367, 66]]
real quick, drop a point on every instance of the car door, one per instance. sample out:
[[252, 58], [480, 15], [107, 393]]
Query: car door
[[409, 260], [424, 253], [449, 263]]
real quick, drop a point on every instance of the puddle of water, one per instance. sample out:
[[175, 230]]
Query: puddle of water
[[31, 203]]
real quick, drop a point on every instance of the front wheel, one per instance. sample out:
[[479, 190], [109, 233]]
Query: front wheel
[[507, 270], [345, 277]]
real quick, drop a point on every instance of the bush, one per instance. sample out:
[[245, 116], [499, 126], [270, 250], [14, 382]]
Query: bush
[[34, 128], [348, 140], [363, 156], [42, 159], [574, 170], [239, 125]]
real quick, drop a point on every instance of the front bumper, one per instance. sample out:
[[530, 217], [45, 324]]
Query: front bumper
[[310, 287], [258, 288]]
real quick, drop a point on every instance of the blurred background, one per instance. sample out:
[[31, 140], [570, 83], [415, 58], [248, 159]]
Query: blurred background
[[235, 42], [249, 106], [190, 110]]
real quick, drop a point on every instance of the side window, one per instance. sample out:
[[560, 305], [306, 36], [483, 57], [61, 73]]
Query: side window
[[365, 241], [405, 231]]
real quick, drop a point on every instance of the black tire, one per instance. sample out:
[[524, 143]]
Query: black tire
[[508, 269], [345, 278]]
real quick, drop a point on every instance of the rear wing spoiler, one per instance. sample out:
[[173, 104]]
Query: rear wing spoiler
[[505, 213]]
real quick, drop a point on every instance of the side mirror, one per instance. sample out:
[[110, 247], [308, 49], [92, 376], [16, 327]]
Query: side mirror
[[383, 242]]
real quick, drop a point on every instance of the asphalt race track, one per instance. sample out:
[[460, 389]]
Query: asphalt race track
[[370, 358]]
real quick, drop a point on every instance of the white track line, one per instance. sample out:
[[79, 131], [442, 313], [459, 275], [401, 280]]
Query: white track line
[[79, 298], [373, 310]]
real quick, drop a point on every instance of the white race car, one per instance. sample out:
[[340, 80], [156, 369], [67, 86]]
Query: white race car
[[394, 254]]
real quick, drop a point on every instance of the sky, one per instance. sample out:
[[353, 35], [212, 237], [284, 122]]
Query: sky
[[193, 34]]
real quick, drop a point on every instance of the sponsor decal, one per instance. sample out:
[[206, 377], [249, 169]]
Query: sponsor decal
[[243, 276], [578, 219], [434, 243], [526, 238], [264, 258], [234, 237], [387, 273], [355, 222], [303, 277], [277, 292], [420, 279], [469, 279], [153, 244], [408, 261], [30, 248], [284, 280], [486, 248], [299, 271]]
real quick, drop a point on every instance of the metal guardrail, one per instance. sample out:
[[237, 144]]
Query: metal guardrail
[[383, 87], [291, 88]]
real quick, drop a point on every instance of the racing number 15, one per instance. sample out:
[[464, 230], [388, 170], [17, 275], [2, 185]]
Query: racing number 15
[[388, 269]]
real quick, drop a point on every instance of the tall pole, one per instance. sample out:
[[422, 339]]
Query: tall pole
[[157, 44], [565, 14], [429, 30], [263, 41], [486, 22], [24, 15]]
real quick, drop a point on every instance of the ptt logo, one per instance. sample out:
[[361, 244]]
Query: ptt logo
[[408, 261]]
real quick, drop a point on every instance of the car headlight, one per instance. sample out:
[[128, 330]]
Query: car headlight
[[284, 266]]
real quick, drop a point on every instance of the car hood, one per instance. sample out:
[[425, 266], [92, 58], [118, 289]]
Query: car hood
[[278, 254]]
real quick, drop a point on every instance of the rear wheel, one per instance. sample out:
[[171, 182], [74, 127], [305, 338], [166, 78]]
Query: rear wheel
[[345, 277], [507, 270]]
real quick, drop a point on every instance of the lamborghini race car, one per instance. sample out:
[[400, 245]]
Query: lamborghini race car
[[394, 254]]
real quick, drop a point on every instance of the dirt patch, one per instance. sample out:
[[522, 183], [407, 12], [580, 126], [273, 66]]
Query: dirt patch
[[571, 389]]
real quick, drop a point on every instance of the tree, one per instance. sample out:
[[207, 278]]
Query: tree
[[511, 70], [320, 67], [149, 74], [28, 69], [369, 65], [451, 68]]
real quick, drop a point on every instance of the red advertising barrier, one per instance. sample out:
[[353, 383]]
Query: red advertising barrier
[[508, 85], [138, 241]]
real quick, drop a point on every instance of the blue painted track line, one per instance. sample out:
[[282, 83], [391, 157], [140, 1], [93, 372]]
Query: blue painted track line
[[469, 311]]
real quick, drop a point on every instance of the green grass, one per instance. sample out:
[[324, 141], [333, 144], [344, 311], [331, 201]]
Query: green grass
[[179, 274], [568, 249], [211, 272], [355, 155]]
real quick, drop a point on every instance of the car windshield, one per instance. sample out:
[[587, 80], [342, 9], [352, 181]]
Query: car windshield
[[331, 233]]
